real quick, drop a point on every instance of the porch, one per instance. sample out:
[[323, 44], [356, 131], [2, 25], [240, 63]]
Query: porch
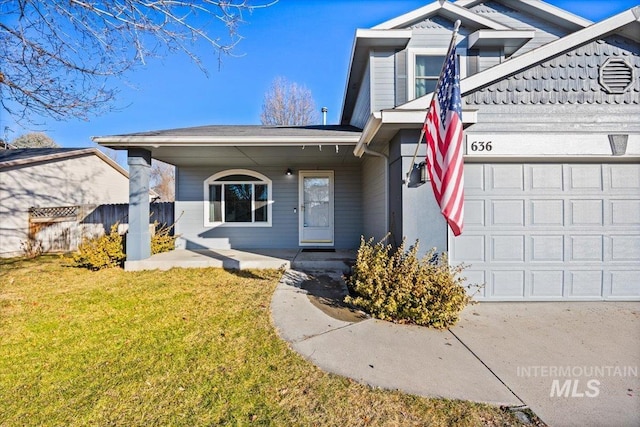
[[234, 259]]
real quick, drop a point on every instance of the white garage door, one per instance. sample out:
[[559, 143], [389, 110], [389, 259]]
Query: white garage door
[[543, 231]]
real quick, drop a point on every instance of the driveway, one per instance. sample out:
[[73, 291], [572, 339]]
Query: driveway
[[574, 364]]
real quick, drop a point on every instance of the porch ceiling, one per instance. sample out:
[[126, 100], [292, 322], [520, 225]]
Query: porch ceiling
[[248, 156]]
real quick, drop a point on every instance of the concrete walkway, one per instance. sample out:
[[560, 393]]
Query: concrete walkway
[[490, 356]]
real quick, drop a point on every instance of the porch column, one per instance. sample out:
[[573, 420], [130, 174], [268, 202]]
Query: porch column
[[138, 236]]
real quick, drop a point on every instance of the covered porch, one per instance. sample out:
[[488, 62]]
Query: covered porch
[[247, 259], [244, 187]]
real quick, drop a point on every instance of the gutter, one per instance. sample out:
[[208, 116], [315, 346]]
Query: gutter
[[370, 130]]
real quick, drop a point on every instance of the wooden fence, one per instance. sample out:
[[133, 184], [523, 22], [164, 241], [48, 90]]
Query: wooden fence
[[62, 228]]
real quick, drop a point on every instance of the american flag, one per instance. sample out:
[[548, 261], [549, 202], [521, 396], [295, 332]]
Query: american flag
[[443, 129]]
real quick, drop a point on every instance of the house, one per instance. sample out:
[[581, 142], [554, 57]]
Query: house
[[59, 179], [552, 155]]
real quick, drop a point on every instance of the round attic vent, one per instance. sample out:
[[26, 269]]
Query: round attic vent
[[616, 75]]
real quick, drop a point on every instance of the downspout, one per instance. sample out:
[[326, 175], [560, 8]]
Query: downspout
[[370, 152]]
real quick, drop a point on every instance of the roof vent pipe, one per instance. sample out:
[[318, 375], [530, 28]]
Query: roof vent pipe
[[324, 115]]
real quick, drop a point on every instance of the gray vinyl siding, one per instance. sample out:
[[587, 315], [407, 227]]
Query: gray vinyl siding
[[362, 109], [545, 31], [383, 80], [373, 197], [284, 230], [487, 58], [432, 38]]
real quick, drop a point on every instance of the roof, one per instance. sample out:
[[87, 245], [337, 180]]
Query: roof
[[31, 156], [236, 135]]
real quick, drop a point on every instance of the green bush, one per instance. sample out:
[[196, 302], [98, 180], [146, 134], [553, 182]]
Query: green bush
[[162, 240], [396, 285], [101, 252]]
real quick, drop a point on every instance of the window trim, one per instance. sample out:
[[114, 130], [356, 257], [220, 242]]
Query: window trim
[[461, 53], [214, 179]]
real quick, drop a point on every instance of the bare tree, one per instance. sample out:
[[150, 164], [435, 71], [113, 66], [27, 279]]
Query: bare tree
[[34, 140], [163, 180], [58, 56], [288, 103]]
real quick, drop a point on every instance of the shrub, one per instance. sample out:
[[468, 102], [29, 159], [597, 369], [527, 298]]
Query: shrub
[[162, 240], [101, 252], [396, 285], [31, 248]]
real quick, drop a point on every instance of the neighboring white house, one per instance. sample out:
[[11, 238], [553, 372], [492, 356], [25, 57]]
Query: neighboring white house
[[52, 178]]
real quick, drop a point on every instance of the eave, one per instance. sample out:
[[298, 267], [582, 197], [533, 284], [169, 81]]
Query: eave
[[384, 123], [509, 40]]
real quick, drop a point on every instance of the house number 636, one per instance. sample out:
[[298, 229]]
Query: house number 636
[[481, 146]]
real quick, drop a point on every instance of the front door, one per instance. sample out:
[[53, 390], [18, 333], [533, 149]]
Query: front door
[[316, 208]]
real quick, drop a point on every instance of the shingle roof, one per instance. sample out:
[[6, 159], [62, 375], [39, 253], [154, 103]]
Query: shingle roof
[[235, 135], [570, 78], [235, 131]]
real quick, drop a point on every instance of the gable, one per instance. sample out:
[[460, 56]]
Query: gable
[[571, 78], [545, 31]]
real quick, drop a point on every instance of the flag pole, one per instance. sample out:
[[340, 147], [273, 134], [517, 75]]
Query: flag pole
[[456, 27]]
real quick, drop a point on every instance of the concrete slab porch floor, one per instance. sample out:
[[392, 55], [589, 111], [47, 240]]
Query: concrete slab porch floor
[[234, 259]]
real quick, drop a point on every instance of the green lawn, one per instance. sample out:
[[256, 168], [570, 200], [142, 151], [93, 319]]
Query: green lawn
[[177, 348]]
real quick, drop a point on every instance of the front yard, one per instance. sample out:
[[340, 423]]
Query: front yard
[[182, 348]]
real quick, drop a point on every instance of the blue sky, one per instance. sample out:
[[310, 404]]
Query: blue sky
[[307, 41]]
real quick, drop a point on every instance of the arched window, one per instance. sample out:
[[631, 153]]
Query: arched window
[[237, 197]]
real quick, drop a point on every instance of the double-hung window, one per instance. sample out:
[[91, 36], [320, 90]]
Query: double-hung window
[[424, 66], [238, 198], [427, 70]]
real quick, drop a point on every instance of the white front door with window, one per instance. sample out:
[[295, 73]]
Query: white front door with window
[[316, 222]]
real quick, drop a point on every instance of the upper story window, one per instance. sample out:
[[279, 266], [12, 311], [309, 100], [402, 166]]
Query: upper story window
[[237, 198], [427, 70], [424, 66]]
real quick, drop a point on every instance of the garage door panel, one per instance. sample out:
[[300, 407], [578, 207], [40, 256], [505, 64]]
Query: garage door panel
[[585, 177], [507, 283], [507, 177], [586, 248], [547, 248], [625, 283], [507, 248], [552, 231], [469, 248], [625, 248], [625, 177], [474, 214], [547, 212], [507, 212], [546, 177], [476, 277], [586, 212], [625, 212], [474, 177], [547, 284], [585, 283]]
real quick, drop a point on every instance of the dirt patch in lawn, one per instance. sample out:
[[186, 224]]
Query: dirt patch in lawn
[[327, 294]]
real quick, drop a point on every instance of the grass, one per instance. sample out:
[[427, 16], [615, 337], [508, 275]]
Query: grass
[[177, 348]]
